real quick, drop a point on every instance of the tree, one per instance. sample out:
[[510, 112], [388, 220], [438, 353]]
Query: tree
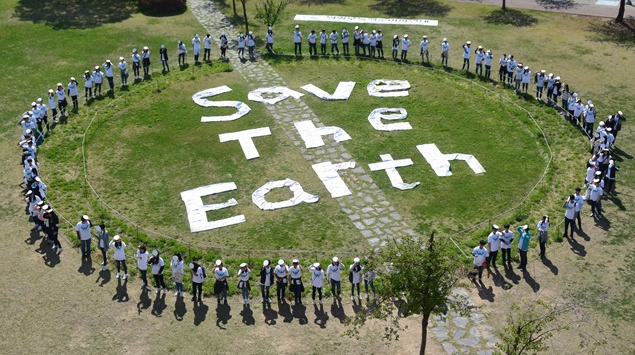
[[504, 7], [243, 3], [620, 12], [234, 6], [424, 275], [269, 11]]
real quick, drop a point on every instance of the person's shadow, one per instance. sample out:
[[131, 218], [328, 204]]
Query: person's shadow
[[159, 305], [486, 293], [222, 315], [535, 286], [582, 234], [511, 275], [299, 312], [499, 280], [284, 310], [357, 306], [248, 315], [321, 317], [200, 312], [550, 265], [33, 237], [121, 294], [179, 309], [51, 258], [269, 314], [144, 301], [86, 266], [104, 276], [576, 247], [337, 310]]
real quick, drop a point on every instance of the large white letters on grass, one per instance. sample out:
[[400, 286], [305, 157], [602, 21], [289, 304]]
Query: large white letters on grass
[[245, 138], [388, 88], [197, 211], [200, 99], [391, 166], [378, 114], [342, 92], [299, 195], [312, 136], [440, 162], [282, 92], [327, 172]]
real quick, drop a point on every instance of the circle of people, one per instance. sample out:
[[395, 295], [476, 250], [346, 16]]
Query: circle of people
[[600, 173]]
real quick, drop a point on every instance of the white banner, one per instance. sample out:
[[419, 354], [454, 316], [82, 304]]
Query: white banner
[[376, 20]]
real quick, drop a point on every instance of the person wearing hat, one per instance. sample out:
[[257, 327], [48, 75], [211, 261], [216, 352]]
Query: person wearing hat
[[357, 36], [40, 189], [251, 45], [395, 46], [295, 281], [88, 86], [198, 276], [317, 280], [220, 286], [493, 244], [619, 119], [207, 47], [550, 80], [243, 282], [142, 255], [526, 79], [539, 80], [103, 242], [333, 274], [467, 53], [27, 125], [369, 282], [62, 103], [241, 45], [136, 63], [82, 229], [445, 52], [518, 76], [523, 245], [569, 206], [355, 276], [405, 44], [564, 99], [480, 255], [543, 234], [297, 41], [266, 280], [98, 78], [269, 37], [489, 58], [73, 92], [181, 51], [609, 177], [42, 221], [53, 228], [281, 272], [365, 42], [163, 53], [511, 69], [323, 38], [312, 39], [572, 100], [610, 138], [345, 38], [595, 198], [502, 70], [120, 256], [224, 43], [424, 49], [479, 57], [177, 273], [578, 110], [589, 118], [52, 100], [196, 47], [109, 75], [372, 37], [555, 91], [380, 45], [145, 54], [334, 36], [32, 199], [506, 239], [35, 214], [157, 264], [44, 113], [123, 71]]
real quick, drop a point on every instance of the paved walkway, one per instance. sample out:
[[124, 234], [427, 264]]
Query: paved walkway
[[600, 8]]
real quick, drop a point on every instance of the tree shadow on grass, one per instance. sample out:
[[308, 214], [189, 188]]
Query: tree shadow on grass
[[557, 4], [320, 2], [510, 17], [610, 31], [63, 14], [408, 8]]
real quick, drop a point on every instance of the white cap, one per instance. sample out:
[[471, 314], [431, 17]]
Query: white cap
[[223, 33], [28, 131], [116, 237], [374, 31], [575, 94], [86, 72], [243, 264], [297, 26], [145, 48], [542, 71], [218, 262], [163, 46], [610, 116], [265, 263], [134, 50], [196, 35], [107, 60], [251, 33], [96, 67], [356, 260], [611, 161], [405, 36], [37, 178], [525, 226], [424, 37], [601, 123], [191, 265], [155, 252], [480, 47], [60, 84], [589, 102], [72, 79], [550, 75], [50, 91], [30, 192], [598, 173], [596, 180], [557, 78], [395, 36], [85, 217], [335, 259], [280, 262], [468, 42], [488, 51], [120, 58], [316, 264], [175, 258], [357, 27], [591, 105], [39, 99], [33, 103], [445, 40], [295, 261], [45, 207], [619, 113], [495, 226], [269, 28], [41, 203]]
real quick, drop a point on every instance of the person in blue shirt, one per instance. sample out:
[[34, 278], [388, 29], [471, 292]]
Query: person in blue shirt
[[523, 245]]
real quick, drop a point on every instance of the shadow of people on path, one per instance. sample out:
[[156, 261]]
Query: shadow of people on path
[[104, 276], [248, 315], [486, 293], [179, 308], [200, 312], [86, 266], [159, 305], [64, 14], [321, 317], [121, 294], [576, 247], [50, 257], [299, 312], [284, 310], [535, 286], [144, 301], [34, 236], [222, 315], [269, 314], [511, 275], [550, 265], [401, 8], [337, 310]]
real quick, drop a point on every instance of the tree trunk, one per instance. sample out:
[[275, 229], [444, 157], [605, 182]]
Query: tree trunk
[[424, 333], [234, 5], [245, 15], [620, 12], [504, 5]]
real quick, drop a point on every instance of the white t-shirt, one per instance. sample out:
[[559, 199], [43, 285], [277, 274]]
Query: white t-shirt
[[334, 37], [207, 42], [480, 56], [569, 212], [445, 47], [72, 88], [142, 260], [177, 267], [317, 277], [323, 38], [544, 226], [424, 46], [480, 254], [507, 239], [312, 38], [156, 268], [241, 42], [84, 230], [281, 271], [295, 272], [526, 76], [333, 271], [268, 279], [269, 37], [357, 276], [494, 240], [52, 102], [405, 43], [219, 273], [198, 275], [244, 275], [579, 201], [297, 37], [119, 250], [596, 192], [466, 52]]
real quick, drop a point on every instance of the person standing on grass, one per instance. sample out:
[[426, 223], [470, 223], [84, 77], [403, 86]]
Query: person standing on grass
[[62, 103], [157, 271], [380, 45], [243, 282], [579, 201], [467, 53], [181, 50], [54, 226], [356, 39], [269, 36], [507, 237], [333, 274], [120, 256], [98, 78], [595, 197], [163, 53], [523, 245], [405, 44], [424, 49], [511, 69], [220, 286], [251, 45], [103, 243], [526, 79], [555, 91], [578, 110], [241, 45], [373, 44], [609, 178], [109, 75], [445, 52], [619, 119], [281, 271], [365, 42], [589, 118], [502, 70], [345, 38], [539, 80], [312, 39], [196, 47], [297, 41], [52, 100], [570, 103], [395, 46], [355, 276], [73, 92], [207, 54], [317, 280], [550, 81], [478, 60], [44, 113], [198, 276], [493, 244], [295, 282], [123, 71], [82, 229], [369, 282], [88, 86], [266, 280], [323, 38], [334, 36], [224, 43], [142, 264], [145, 54], [518, 76], [480, 257], [489, 58], [564, 98], [543, 234], [569, 215], [136, 63], [177, 273]]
